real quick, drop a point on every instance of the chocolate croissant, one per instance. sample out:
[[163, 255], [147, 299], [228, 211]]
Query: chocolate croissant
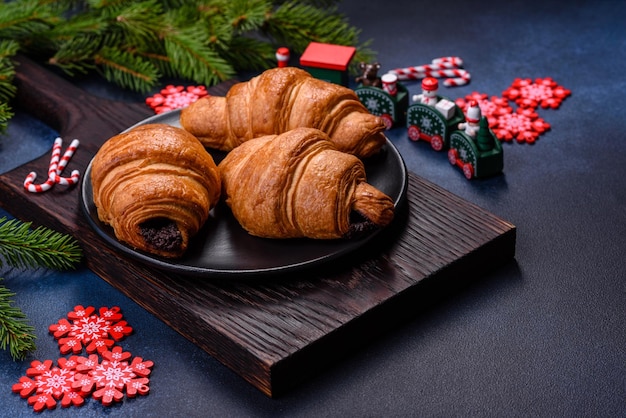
[[155, 185], [298, 184], [279, 100]]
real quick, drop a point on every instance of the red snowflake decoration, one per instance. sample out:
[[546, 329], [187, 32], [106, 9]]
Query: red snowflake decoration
[[175, 97], [50, 384], [108, 380], [95, 332], [544, 92], [524, 125], [491, 108]]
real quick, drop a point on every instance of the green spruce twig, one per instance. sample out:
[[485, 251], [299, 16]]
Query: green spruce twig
[[23, 247], [15, 332], [8, 49]]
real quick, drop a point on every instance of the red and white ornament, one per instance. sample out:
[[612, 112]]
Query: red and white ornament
[[282, 57], [175, 97], [107, 381], [86, 329], [45, 384], [55, 168]]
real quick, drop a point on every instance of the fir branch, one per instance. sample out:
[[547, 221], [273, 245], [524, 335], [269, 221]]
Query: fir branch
[[8, 49], [22, 247], [247, 15], [75, 55], [138, 23], [194, 60], [15, 332], [6, 113], [21, 19], [248, 54], [126, 69], [297, 24]]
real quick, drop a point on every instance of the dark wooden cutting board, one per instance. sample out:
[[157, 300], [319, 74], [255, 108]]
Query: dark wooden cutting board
[[272, 331]]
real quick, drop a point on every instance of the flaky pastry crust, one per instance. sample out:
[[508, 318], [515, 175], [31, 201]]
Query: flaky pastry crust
[[279, 100], [155, 185], [297, 184]]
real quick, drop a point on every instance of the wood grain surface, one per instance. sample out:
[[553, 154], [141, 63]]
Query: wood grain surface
[[275, 331]]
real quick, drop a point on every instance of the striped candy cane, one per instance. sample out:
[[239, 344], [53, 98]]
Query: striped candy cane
[[52, 169], [37, 188], [57, 164], [453, 61], [56, 174], [444, 67]]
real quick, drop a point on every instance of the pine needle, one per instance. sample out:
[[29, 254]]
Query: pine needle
[[22, 247], [15, 332]]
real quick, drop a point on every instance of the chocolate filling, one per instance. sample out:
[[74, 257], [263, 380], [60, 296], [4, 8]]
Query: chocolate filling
[[359, 225], [162, 234]]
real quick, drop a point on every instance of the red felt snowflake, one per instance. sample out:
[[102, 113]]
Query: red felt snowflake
[[50, 384], [544, 92], [524, 125], [95, 332], [491, 108], [108, 380], [175, 97]]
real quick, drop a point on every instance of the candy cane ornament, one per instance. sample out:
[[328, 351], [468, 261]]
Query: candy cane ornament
[[52, 168], [453, 61], [68, 181], [444, 67], [55, 168], [55, 175], [37, 188]]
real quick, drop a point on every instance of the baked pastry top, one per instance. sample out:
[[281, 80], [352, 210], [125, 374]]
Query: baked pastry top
[[155, 185], [297, 184]]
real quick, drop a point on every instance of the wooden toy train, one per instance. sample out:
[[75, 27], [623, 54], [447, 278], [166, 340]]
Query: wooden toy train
[[471, 144]]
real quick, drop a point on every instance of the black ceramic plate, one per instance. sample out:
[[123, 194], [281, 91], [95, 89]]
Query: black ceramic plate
[[224, 249]]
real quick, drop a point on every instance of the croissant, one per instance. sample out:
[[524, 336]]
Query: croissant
[[297, 184], [279, 100], [155, 185]]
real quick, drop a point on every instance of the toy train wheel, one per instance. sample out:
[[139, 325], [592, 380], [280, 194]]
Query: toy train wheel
[[414, 133], [453, 156], [436, 142], [468, 171], [387, 120]]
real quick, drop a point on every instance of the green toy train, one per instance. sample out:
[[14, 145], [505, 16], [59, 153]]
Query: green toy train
[[476, 157], [390, 108], [434, 124], [472, 146]]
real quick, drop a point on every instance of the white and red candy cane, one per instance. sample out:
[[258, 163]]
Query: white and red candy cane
[[36, 188], [451, 61], [69, 152], [444, 67], [52, 171], [57, 164]]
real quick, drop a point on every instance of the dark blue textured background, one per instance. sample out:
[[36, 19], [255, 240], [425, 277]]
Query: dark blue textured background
[[542, 336]]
